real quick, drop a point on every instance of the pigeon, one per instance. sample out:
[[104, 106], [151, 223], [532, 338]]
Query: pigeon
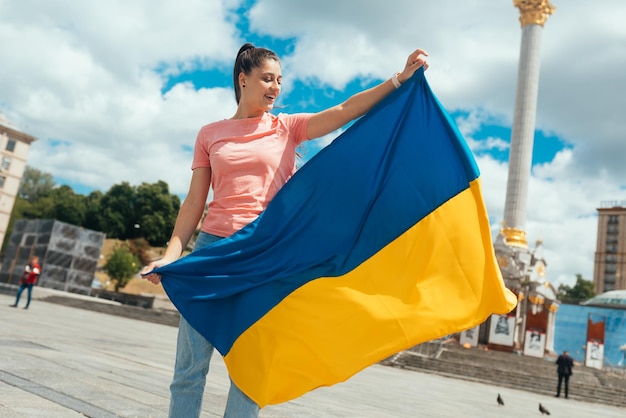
[[500, 401], [543, 409]]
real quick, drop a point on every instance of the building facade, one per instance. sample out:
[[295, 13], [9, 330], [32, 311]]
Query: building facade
[[609, 271], [14, 146]]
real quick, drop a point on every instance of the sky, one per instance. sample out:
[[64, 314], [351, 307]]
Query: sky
[[116, 91]]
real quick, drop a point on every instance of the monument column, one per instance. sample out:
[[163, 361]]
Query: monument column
[[533, 15], [523, 269]]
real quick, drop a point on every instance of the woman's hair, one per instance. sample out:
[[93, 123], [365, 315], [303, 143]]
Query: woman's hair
[[248, 58]]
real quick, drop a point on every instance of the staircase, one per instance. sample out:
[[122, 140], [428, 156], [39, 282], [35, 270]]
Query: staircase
[[512, 371]]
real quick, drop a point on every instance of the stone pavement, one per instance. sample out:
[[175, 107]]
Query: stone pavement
[[60, 361]]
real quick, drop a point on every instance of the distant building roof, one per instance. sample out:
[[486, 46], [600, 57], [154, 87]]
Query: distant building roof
[[7, 127], [6, 122], [611, 299]]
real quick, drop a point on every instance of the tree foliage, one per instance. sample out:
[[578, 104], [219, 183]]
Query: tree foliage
[[68, 206], [92, 210], [156, 210], [117, 211], [35, 184], [121, 266], [124, 212], [148, 211], [580, 292]]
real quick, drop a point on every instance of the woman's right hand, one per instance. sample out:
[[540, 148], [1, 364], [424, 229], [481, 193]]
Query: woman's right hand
[[154, 278], [416, 60]]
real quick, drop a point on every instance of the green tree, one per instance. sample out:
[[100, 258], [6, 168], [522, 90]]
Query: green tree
[[580, 292], [124, 212], [20, 206], [61, 203], [117, 211], [156, 211], [121, 266], [35, 184], [92, 210], [68, 206], [41, 208]]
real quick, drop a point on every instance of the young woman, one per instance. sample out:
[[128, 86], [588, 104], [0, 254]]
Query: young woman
[[246, 159]]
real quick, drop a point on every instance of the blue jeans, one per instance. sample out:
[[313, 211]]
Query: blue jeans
[[193, 355], [19, 293]]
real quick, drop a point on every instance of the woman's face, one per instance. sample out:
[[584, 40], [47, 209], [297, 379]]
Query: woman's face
[[262, 87]]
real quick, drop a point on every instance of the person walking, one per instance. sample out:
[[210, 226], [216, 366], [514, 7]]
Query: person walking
[[246, 160], [31, 273], [564, 364]]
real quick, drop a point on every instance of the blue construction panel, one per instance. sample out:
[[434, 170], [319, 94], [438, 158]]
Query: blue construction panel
[[571, 332]]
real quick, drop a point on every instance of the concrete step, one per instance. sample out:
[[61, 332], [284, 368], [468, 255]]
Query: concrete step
[[513, 371]]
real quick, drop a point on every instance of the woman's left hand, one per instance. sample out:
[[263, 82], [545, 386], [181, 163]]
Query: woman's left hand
[[416, 60]]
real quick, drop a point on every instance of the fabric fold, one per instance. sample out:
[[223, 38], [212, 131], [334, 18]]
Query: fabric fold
[[380, 242]]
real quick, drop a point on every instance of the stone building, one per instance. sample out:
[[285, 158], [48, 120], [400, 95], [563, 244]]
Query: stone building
[[14, 146], [68, 254], [609, 271]]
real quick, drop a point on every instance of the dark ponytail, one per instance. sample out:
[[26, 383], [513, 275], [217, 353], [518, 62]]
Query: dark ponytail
[[248, 58]]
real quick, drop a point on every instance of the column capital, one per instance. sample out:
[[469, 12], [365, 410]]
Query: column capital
[[534, 12]]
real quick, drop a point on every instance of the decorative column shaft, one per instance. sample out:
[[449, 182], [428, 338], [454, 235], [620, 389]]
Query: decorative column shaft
[[533, 14]]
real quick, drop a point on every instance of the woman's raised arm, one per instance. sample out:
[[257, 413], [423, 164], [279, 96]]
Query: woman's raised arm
[[333, 118]]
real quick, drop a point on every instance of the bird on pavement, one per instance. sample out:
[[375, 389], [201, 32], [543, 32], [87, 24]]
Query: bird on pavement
[[500, 401], [543, 409]]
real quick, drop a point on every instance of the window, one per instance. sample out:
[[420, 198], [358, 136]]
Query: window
[[609, 278], [612, 229], [611, 258], [2, 180], [613, 219], [6, 163], [11, 145]]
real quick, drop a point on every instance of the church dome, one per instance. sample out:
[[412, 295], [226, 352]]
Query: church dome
[[611, 299]]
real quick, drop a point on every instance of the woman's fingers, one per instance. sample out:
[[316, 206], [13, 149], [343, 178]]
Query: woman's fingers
[[153, 278]]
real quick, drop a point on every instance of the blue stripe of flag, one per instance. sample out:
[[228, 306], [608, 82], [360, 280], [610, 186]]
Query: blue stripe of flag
[[383, 175]]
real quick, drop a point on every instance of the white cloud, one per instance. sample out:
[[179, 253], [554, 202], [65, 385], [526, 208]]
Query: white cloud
[[471, 122], [561, 212], [86, 72], [90, 74], [474, 51]]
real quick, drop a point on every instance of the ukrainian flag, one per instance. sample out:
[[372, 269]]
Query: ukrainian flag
[[380, 242]]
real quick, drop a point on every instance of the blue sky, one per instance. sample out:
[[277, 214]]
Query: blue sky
[[116, 91]]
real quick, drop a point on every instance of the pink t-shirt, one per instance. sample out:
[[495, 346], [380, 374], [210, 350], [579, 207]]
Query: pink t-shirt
[[250, 160]]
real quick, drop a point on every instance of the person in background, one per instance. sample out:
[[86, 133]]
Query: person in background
[[564, 364], [31, 273], [246, 159]]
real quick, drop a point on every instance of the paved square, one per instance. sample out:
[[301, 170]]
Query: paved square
[[57, 361]]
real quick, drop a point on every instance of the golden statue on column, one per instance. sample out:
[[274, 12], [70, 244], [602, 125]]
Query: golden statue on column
[[531, 324]]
